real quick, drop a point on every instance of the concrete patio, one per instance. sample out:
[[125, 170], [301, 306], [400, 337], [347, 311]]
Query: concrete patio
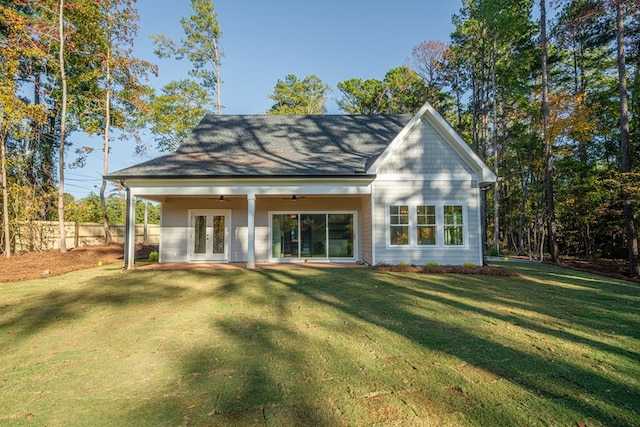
[[243, 265]]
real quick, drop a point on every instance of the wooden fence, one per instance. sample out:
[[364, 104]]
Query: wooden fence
[[44, 235]]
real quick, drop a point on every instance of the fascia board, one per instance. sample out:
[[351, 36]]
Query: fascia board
[[245, 181]]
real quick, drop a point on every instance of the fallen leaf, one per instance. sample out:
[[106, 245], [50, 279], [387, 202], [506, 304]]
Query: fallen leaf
[[193, 405], [30, 416]]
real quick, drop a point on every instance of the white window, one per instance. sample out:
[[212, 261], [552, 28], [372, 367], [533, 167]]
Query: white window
[[399, 225], [426, 225], [453, 226]]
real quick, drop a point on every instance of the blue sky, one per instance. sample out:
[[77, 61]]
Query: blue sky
[[263, 41]]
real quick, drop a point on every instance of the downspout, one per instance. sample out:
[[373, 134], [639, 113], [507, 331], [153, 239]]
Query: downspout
[[481, 216]]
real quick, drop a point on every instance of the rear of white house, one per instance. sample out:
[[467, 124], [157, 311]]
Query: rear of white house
[[371, 189]]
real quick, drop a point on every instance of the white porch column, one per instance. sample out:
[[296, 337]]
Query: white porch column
[[130, 231], [251, 230]]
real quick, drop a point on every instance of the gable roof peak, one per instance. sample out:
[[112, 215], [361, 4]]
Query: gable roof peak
[[485, 174]]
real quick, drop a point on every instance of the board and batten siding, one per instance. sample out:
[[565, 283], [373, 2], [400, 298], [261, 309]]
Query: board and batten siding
[[425, 170]]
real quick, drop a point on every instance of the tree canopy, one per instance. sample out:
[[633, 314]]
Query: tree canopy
[[551, 104], [295, 96], [401, 91]]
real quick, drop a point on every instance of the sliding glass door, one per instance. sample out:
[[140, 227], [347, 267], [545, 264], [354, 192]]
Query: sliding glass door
[[312, 235], [284, 231], [340, 232]]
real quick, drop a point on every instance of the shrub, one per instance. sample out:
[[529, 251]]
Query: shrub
[[432, 264], [469, 265], [403, 264], [153, 256]]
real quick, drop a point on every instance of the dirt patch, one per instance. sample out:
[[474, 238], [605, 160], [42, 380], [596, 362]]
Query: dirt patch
[[616, 268], [34, 265]]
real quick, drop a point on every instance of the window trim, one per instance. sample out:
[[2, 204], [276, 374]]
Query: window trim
[[445, 225], [356, 248], [439, 226], [426, 225], [407, 225]]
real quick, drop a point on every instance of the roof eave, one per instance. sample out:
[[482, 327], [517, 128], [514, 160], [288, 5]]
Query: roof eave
[[118, 177]]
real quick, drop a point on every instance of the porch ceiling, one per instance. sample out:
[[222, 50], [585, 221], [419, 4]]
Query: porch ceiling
[[159, 190]]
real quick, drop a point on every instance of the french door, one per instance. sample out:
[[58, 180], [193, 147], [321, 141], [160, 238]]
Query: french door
[[208, 235]]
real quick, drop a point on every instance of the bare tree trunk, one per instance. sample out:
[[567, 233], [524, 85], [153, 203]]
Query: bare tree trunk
[[63, 116], [496, 186], [105, 166], [484, 123], [5, 196], [523, 201], [548, 159], [475, 101], [541, 238], [632, 238], [218, 79]]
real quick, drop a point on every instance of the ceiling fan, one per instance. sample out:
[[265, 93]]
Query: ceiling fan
[[294, 198], [220, 199]]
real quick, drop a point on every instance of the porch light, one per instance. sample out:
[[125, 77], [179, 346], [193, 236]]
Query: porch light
[[294, 198]]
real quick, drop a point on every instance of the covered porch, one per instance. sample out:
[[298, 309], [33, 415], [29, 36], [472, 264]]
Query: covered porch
[[252, 226]]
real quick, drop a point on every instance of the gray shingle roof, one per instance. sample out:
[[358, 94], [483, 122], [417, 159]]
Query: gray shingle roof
[[273, 145]]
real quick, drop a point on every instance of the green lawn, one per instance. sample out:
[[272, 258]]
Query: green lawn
[[324, 347]]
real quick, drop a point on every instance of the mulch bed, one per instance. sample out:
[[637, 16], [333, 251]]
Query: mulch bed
[[487, 270], [35, 265]]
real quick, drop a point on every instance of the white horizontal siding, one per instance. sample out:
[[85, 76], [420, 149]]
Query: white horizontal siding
[[425, 170], [427, 193]]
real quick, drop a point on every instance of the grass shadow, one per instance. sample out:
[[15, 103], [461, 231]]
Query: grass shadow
[[578, 388], [332, 347]]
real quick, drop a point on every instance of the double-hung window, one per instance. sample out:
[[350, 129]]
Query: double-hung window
[[453, 226], [424, 225], [399, 225]]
